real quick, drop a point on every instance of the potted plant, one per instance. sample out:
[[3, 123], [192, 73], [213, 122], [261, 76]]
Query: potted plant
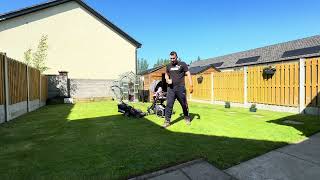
[[253, 108], [270, 70], [200, 79], [227, 105]]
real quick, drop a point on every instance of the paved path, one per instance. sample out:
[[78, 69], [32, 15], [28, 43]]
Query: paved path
[[197, 169], [294, 162]]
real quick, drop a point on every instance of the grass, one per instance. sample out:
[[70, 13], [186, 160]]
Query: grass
[[92, 140]]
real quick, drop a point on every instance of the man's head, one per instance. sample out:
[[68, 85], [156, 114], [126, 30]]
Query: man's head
[[174, 58]]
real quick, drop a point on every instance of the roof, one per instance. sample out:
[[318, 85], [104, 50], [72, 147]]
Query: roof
[[38, 7], [199, 69], [148, 71], [301, 48]]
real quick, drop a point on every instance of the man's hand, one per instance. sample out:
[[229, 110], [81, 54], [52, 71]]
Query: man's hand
[[191, 89], [190, 82]]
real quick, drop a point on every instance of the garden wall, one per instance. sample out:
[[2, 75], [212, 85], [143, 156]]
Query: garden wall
[[79, 89], [20, 89]]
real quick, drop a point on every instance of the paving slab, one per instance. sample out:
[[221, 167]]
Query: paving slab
[[275, 165], [308, 150], [175, 175], [194, 170], [205, 171]]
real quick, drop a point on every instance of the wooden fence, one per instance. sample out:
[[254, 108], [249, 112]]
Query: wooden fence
[[203, 88], [228, 86], [2, 97], [34, 84], [282, 88], [14, 87], [312, 82], [17, 81]]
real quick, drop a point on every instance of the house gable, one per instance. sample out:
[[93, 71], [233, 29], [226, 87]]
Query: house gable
[[79, 42], [44, 6]]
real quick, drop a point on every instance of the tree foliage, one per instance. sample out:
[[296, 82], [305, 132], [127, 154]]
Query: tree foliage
[[28, 57], [38, 58], [142, 65], [161, 62]]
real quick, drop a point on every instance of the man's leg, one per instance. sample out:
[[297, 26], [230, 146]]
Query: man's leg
[[182, 98], [170, 102]]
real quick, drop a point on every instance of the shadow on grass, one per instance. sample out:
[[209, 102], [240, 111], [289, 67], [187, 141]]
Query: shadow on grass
[[46, 144], [193, 116], [302, 122]]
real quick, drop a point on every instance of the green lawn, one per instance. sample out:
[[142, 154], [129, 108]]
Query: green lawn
[[93, 140]]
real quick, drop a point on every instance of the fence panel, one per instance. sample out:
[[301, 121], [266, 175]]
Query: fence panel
[[34, 79], [44, 88], [228, 86], [17, 81], [202, 90], [312, 82], [282, 88]]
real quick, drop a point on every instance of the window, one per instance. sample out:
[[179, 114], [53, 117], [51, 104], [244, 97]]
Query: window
[[302, 51], [216, 65], [248, 60]]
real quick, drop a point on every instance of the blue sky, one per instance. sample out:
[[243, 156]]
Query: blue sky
[[205, 28]]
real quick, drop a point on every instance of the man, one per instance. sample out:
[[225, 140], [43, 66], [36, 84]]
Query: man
[[175, 73]]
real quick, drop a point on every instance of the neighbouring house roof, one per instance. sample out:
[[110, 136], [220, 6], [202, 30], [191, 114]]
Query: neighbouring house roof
[[38, 7], [301, 48], [148, 71], [199, 69]]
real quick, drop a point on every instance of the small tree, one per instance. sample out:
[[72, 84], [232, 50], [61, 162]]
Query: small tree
[[28, 57], [38, 58]]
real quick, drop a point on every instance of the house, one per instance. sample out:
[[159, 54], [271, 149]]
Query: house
[[273, 54], [81, 41]]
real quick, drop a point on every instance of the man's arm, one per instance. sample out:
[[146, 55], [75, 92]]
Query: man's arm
[[166, 76], [190, 81]]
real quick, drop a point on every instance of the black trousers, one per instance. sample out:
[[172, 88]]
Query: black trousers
[[179, 93]]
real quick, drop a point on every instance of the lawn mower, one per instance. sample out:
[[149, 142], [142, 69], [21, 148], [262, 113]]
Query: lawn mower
[[123, 107]]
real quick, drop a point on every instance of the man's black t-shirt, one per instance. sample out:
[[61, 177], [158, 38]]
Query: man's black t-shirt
[[177, 73]]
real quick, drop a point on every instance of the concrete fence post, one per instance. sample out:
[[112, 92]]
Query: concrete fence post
[[28, 89], [6, 88], [245, 74], [302, 93], [212, 86]]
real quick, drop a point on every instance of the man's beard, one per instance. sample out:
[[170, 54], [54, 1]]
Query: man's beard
[[175, 62]]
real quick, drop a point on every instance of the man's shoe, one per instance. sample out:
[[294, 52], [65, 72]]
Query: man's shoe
[[188, 120], [166, 124]]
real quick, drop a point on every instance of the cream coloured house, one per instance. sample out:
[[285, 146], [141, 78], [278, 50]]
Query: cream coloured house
[[81, 41]]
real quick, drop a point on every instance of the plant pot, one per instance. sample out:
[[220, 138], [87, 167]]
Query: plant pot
[[253, 109], [269, 71], [227, 105], [200, 79]]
